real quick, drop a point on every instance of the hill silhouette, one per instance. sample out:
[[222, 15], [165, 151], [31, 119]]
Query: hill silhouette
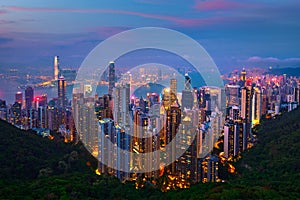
[[289, 71]]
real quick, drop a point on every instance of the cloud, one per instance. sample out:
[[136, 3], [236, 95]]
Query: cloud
[[260, 59], [107, 31], [155, 2], [269, 61], [173, 19], [3, 21], [211, 5], [2, 12], [292, 59]]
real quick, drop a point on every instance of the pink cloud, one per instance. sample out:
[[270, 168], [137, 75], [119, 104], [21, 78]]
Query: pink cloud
[[107, 31], [209, 5], [260, 59], [2, 12], [173, 19]]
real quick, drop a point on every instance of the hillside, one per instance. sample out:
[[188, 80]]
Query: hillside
[[38, 168], [289, 71], [274, 163]]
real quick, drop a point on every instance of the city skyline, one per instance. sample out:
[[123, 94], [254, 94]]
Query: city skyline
[[192, 120], [162, 95], [235, 34]]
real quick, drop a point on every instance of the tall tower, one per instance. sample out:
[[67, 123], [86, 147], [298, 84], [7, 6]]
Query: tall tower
[[29, 93], [243, 75], [111, 78], [246, 107], [232, 95], [62, 87], [173, 121], [187, 82], [56, 67], [19, 97], [187, 94], [121, 104], [256, 106], [173, 90]]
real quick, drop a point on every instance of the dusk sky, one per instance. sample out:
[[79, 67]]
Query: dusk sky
[[235, 33]]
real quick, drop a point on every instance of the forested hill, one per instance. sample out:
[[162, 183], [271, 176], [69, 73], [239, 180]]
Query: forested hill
[[274, 162], [26, 156], [33, 167]]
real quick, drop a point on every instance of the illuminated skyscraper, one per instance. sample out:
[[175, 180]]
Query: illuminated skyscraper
[[232, 95], [187, 82], [42, 117], [56, 68], [172, 124], [106, 152], [62, 87], [29, 93], [111, 78], [166, 98], [15, 113], [210, 169], [121, 104], [122, 159], [187, 94], [89, 125], [3, 110], [19, 97], [43, 100], [256, 106], [243, 75], [235, 138], [186, 165], [234, 113], [246, 107], [173, 90]]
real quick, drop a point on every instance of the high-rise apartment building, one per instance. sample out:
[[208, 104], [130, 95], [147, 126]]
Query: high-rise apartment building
[[62, 90], [56, 68], [29, 94], [111, 77], [19, 98]]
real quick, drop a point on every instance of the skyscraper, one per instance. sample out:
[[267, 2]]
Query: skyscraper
[[19, 97], [62, 86], [256, 106], [243, 75], [172, 124], [56, 67], [246, 107], [111, 78], [29, 93], [15, 113], [187, 94], [173, 90], [232, 95], [121, 104]]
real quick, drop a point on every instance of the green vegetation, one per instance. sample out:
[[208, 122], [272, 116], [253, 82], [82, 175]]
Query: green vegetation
[[38, 168]]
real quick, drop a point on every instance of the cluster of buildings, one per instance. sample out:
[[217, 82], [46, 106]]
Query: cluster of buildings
[[248, 98], [144, 138], [39, 114], [165, 137], [177, 131]]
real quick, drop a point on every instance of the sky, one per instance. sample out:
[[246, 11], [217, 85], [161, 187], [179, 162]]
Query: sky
[[235, 33]]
